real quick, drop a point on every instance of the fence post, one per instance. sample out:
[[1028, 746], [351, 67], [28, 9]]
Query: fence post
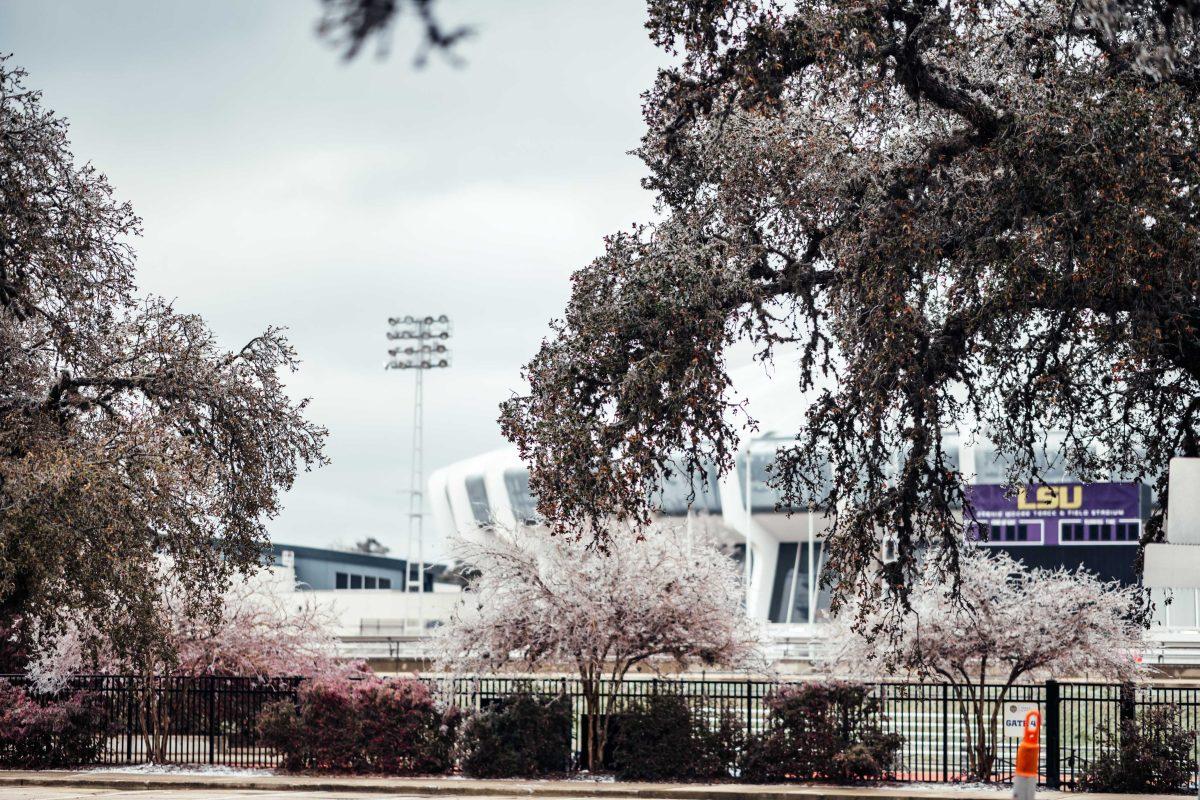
[[1127, 702], [129, 693], [749, 709], [1053, 737], [945, 733], [212, 721]]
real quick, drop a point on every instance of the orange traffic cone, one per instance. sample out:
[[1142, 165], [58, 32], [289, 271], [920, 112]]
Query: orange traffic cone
[[1026, 773]]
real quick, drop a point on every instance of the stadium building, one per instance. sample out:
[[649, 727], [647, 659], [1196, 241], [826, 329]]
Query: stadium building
[[1061, 523], [379, 614]]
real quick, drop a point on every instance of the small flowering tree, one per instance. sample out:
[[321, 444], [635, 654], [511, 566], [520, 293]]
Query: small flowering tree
[[1007, 623], [540, 602], [266, 630], [263, 630]]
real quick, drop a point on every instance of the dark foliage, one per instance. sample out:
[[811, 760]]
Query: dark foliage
[[972, 214], [50, 733], [662, 739], [134, 448], [349, 24], [1153, 754], [370, 725], [821, 731], [525, 736], [14, 657]]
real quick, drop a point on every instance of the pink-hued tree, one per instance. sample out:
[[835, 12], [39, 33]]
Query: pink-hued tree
[[265, 630], [1007, 623], [658, 597]]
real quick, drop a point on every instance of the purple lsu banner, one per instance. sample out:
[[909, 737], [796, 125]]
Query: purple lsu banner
[[1066, 514]]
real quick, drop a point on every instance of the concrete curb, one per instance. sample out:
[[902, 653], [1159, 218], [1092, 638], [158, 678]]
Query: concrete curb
[[502, 788]]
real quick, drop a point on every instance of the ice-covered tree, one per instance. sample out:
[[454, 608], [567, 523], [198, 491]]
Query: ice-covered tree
[[539, 602], [264, 629], [1008, 623], [130, 437], [965, 214]]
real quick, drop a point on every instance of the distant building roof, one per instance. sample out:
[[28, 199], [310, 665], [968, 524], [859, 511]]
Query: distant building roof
[[339, 556]]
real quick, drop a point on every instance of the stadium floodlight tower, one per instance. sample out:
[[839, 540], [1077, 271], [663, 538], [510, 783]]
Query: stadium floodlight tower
[[418, 343]]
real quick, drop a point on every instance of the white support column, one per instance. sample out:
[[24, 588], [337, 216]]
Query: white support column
[[1176, 565]]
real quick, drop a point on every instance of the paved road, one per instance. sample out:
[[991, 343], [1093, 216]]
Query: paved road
[[72, 793]]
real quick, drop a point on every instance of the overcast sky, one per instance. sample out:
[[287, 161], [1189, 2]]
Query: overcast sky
[[279, 185]]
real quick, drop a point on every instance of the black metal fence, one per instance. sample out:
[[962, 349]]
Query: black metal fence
[[188, 720], [931, 718], [211, 720]]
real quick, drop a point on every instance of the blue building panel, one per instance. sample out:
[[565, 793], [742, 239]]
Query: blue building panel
[[323, 570]]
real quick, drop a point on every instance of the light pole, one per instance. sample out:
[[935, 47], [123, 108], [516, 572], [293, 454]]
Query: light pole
[[419, 344], [747, 566]]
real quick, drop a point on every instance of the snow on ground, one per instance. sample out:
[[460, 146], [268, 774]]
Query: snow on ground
[[997, 788], [583, 777], [173, 769]]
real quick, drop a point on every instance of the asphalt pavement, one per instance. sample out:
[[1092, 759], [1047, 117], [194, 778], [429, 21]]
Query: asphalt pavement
[[81, 793]]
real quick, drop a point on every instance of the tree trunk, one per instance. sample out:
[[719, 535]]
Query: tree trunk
[[597, 726], [996, 706], [155, 713]]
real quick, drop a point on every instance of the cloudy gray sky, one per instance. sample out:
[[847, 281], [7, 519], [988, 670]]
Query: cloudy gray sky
[[279, 185]]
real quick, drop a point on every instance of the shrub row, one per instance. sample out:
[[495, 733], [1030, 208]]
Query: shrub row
[[365, 725], [820, 731], [1152, 754], [815, 732], [48, 733]]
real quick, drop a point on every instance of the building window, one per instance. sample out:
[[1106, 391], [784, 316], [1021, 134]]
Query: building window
[[679, 492], [993, 467], [1128, 531], [524, 507], [796, 595], [450, 508], [344, 580], [477, 495], [1014, 532], [1100, 531], [764, 496]]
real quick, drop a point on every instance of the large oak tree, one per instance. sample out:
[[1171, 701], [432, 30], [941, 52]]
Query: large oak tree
[[133, 447], [977, 215]]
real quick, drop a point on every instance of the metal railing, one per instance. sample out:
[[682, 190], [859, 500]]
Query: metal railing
[[212, 720]]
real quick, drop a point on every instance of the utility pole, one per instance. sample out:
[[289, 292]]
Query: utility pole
[[420, 345]]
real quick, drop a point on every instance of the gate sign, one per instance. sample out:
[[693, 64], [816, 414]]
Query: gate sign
[[1059, 514], [1014, 718]]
